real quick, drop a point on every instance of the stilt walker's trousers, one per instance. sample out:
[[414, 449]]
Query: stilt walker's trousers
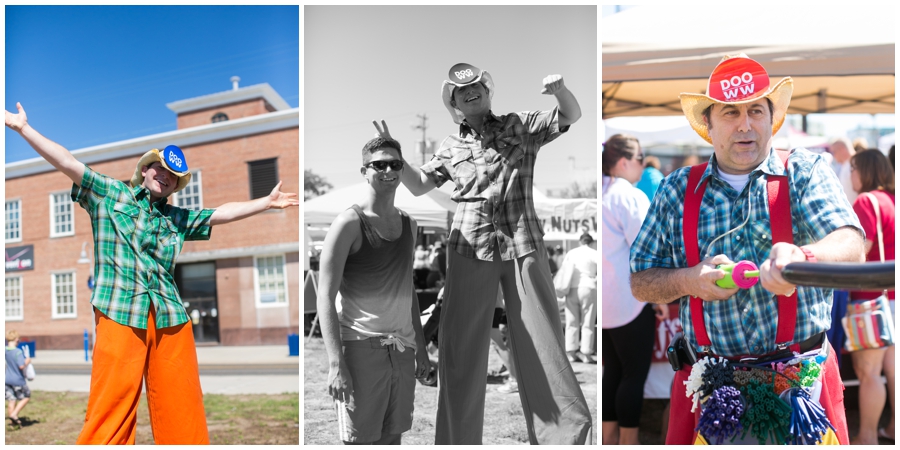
[[555, 409], [123, 358]]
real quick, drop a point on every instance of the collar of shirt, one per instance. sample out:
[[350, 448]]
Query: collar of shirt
[[465, 129], [142, 196], [772, 165]]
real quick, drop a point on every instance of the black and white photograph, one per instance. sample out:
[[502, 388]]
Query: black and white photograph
[[450, 209]]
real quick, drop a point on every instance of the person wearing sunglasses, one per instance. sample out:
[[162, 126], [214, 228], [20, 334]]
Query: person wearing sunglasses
[[376, 346], [496, 238], [143, 330]]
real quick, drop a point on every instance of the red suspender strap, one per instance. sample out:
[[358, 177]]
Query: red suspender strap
[[780, 220], [689, 228]]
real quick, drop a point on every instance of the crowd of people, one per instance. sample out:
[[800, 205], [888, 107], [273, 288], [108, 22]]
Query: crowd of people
[[832, 207], [430, 266]]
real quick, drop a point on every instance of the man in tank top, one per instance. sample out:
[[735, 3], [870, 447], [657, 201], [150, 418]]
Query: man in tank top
[[375, 344]]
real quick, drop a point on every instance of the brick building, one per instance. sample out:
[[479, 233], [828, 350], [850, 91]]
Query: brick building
[[242, 287]]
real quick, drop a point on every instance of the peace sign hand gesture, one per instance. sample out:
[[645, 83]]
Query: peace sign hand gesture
[[383, 131]]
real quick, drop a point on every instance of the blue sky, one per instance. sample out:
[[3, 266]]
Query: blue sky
[[363, 63], [90, 75]]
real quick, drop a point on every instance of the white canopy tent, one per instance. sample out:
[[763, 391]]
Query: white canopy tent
[[433, 210], [653, 53]]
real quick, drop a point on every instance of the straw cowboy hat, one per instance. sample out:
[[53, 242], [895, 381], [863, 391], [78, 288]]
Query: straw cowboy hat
[[737, 80], [172, 158], [463, 74]]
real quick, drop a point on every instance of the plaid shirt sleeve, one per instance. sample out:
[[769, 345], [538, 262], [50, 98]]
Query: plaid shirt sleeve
[[542, 126], [655, 244], [94, 188], [437, 169], [192, 224]]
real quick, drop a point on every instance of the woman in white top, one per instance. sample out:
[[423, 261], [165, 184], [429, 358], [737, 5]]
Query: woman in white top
[[628, 325]]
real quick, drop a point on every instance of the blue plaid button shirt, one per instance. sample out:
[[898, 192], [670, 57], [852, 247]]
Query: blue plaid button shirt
[[746, 323], [493, 176]]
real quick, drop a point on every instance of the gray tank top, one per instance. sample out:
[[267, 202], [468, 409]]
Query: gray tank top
[[377, 288]]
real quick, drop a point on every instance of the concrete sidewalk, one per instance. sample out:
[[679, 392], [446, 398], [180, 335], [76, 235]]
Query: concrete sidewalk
[[262, 369], [212, 359]]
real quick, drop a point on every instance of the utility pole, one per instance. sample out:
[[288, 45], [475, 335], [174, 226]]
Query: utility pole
[[420, 151]]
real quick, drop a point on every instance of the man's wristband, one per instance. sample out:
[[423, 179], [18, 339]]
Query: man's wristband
[[809, 254]]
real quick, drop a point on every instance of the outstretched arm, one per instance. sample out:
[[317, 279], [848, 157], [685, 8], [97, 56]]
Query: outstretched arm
[[230, 212], [55, 154], [414, 179], [569, 110]]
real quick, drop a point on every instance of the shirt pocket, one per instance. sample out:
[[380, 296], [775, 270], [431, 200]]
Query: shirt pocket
[[168, 243], [125, 217], [464, 170]]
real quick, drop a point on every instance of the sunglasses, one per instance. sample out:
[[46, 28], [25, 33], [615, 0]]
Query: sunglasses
[[381, 166], [639, 158]]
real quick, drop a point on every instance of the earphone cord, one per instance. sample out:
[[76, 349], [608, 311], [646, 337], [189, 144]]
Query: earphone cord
[[749, 213]]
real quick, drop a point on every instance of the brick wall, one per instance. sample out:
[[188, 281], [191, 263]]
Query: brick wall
[[233, 111]]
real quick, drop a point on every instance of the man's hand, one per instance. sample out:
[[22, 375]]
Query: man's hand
[[423, 364], [707, 274], [553, 84], [16, 121], [781, 255], [282, 200], [662, 311], [383, 131], [340, 385]]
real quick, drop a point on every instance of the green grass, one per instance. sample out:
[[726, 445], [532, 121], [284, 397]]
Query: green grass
[[57, 418], [504, 421]]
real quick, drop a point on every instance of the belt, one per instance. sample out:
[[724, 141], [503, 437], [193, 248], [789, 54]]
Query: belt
[[816, 341]]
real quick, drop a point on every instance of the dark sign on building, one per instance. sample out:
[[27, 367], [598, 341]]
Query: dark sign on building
[[20, 258]]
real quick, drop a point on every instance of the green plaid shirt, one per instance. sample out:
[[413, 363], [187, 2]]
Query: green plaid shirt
[[493, 177], [135, 246]]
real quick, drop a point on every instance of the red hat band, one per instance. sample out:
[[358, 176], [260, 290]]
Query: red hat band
[[737, 79]]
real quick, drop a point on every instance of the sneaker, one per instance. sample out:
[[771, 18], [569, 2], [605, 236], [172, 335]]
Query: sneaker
[[510, 387], [588, 359]]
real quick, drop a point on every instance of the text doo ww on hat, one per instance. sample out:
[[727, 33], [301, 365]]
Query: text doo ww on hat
[[463, 74], [737, 80], [171, 158]]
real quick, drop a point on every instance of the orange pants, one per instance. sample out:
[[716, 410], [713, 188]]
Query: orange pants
[[123, 358]]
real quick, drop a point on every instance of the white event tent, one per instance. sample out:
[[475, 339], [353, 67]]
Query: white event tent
[[652, 53], [433, 210]]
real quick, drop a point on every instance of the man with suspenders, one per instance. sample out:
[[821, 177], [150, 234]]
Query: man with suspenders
[[748, 202]]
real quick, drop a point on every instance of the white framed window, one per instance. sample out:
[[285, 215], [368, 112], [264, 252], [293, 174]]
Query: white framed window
[[191, 197], [270, 281], [13, 215], [63, 289], [14, 310], [62, 218]]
